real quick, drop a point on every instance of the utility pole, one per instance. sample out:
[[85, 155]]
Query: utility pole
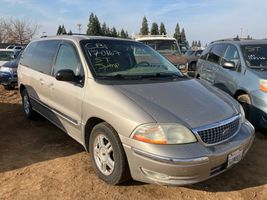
[[79, 28], [241, 35]]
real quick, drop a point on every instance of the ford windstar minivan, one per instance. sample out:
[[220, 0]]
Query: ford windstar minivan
[[133, 110]]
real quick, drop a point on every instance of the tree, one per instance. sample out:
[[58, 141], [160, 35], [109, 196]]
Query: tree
[[162, 29], [183, 37], [4, 30], [63, 30], [154, 29], [123, 34], [177, 33], [94, 26], [114, 32], [104, 29], [59, 30], [199, 44], [144, 29], [70, 32], [20, 31]]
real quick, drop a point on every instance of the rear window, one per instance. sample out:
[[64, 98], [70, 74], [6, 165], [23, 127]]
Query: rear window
[[39, 55]]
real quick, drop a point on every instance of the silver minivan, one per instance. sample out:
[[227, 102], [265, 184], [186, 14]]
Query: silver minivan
[[239, 67], [133, 110]]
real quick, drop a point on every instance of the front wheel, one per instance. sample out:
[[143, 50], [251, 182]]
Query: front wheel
[[107, 154], [27, 107], [245, 101]]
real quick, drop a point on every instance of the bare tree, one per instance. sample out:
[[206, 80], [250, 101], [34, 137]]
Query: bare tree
[[4, 31], [17, 30]]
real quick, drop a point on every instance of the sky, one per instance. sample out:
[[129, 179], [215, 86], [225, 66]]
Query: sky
[[204, 20]]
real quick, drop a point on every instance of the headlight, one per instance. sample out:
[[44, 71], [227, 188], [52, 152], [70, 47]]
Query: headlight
[[263, 85], [243, 115], [163, 134], [5, 69], [182, 67]]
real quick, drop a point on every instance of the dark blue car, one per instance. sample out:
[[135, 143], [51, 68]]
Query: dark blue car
[[8, 73]]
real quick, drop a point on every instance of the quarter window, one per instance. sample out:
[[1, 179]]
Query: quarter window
[[39, 55]]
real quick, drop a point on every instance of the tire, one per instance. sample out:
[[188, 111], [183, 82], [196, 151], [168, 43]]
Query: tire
[[27, 107], [107, 155], [245, 101]]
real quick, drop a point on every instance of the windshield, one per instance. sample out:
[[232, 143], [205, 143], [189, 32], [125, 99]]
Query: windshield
[[126, 59], [189, 53], [6, 55], [255, 55], [164, 46]]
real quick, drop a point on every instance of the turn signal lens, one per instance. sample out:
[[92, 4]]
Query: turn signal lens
[[263, 85]]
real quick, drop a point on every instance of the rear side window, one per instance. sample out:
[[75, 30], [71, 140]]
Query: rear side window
[[216, 53], [39, 55]]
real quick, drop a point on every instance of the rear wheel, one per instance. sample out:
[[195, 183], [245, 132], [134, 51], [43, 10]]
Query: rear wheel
[[107, 154], [245, 101], [27, 107]]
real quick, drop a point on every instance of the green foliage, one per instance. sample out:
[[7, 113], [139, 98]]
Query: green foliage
[[144, 29], [59, 30], [154, 29], [177, 33], [94, 27], [162, 29]]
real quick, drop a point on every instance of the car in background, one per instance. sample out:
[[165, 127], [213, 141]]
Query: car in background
[[239, 67], [192, 57], [133, 110], [169, 48], [8, 73]]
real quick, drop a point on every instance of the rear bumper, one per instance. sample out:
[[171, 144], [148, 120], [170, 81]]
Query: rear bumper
[[185, 164]]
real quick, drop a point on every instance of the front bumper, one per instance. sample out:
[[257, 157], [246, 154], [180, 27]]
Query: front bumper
[[8, 79], [183, 164], [259, 108]]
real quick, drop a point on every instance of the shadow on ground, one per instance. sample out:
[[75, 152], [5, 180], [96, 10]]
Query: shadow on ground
[[24, 142]]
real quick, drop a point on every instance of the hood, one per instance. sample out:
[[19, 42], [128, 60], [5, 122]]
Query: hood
[[176, 59], [11, 64], [2, 63], [259, 73], [189, 102]]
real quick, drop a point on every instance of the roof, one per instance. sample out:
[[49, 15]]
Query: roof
[[80, 37], [154, 37], [11, 50], [242, 41]]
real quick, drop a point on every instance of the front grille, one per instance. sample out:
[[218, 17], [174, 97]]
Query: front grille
[[219, 133]]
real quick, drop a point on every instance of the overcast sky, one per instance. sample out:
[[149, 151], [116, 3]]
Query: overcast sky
[[204, 20]]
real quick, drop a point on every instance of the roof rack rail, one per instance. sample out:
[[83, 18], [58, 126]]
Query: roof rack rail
[[232, 39]]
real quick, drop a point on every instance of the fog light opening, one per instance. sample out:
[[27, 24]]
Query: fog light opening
[[155, 175]]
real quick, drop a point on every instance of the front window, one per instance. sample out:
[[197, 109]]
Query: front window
[[255, 55], [6, 55], [126, 60], [163, 46]]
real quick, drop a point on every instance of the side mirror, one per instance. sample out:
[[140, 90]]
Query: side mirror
[[65, 75], [229, 65]]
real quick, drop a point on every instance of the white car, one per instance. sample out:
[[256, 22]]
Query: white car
[[6, 55]]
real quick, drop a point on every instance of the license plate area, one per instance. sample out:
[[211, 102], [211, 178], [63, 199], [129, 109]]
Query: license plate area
[[234, 157]]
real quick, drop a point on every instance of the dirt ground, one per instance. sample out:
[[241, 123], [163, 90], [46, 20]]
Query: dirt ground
[[38, 161]]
